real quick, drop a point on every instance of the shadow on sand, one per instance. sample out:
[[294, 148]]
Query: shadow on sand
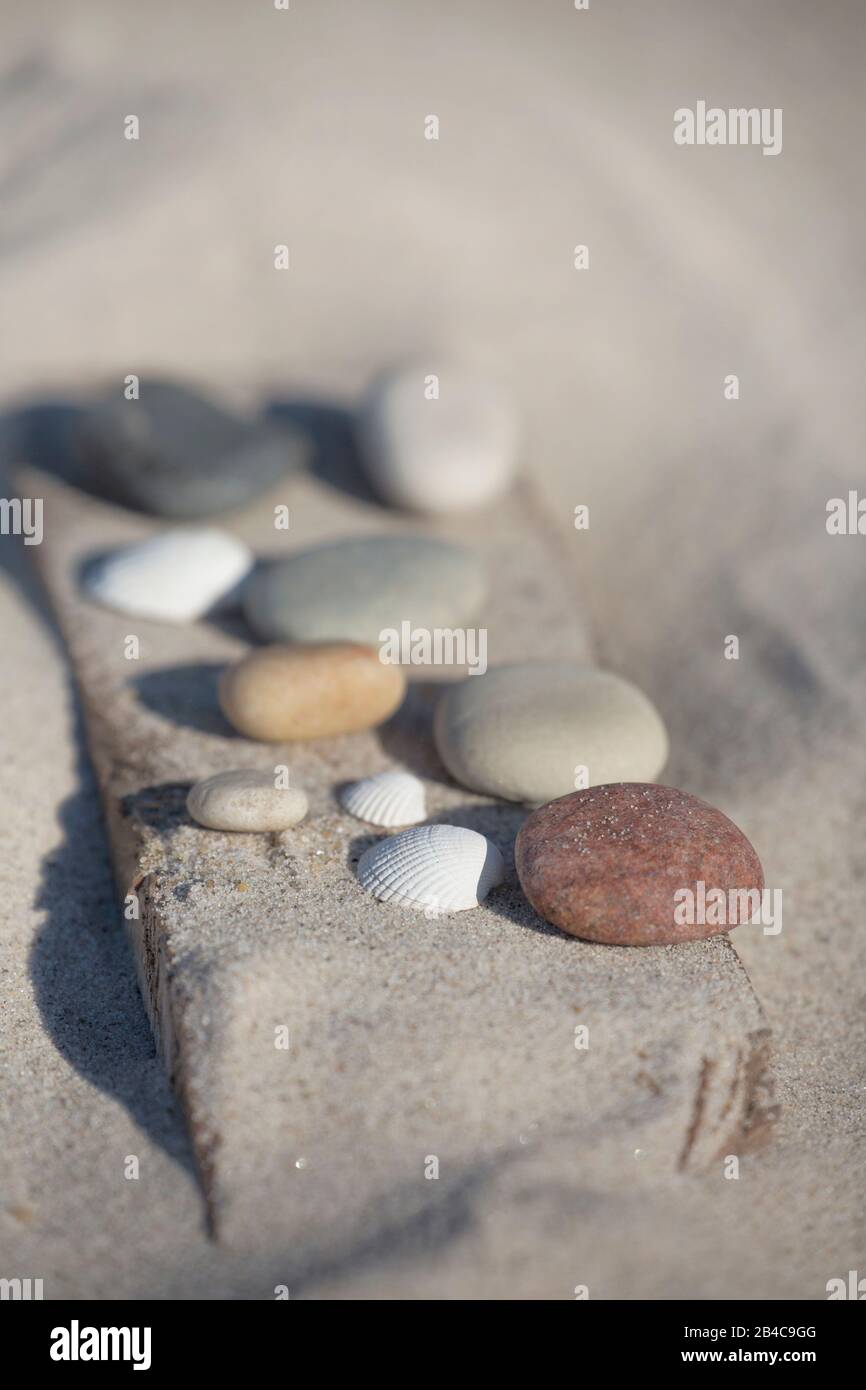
[[81, 967]]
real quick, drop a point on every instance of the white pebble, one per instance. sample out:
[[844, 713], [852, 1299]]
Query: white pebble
[[436, 454], [176, 576]]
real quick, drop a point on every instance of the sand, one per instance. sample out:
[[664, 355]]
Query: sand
[[707, 519]]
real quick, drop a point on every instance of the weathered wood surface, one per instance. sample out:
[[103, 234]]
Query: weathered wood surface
[[409, 1038]]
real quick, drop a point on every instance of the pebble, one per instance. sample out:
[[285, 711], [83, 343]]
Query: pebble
[[174, 453], [451, 453], [354, 590], [604, 864], [245, 800], [525, 732], [304, 691], [177, 576]]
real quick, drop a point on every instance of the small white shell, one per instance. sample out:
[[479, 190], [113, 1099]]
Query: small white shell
[[434, 868], [389, 798]]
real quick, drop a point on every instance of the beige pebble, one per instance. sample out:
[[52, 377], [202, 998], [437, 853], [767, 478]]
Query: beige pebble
[[245, 800], [309, 690], [527, 731]]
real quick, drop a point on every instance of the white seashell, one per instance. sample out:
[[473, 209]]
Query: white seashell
[[389, 798], [434, 868], [435, 454], [177, 575]]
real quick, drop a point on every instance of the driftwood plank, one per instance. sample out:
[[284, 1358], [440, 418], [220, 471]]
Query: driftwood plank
[[409, 1040]]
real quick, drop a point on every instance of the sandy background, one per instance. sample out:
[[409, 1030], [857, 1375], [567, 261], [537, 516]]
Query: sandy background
[[306, 127]]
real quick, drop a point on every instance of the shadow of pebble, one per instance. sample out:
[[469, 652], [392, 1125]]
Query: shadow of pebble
[[498, 820], [44, 435], [161, 807], [408, 736], [232, 623], [186, 695], [509, 903], [334, 458]]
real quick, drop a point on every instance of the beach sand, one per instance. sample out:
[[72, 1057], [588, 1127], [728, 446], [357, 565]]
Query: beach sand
[[707, 519]]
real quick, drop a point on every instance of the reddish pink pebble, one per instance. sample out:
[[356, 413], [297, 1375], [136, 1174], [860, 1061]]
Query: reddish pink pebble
[[619, 864]]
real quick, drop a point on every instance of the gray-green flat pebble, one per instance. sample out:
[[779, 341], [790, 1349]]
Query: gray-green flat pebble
[[526, 732], [175, 453], [354, 590], [245, 800]]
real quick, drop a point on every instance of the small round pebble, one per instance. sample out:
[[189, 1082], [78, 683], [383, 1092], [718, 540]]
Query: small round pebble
[[607, 864], [309, 690], [245, 800], [176, 576], [174, 453], [437, 448], [354, 590], [527, 732]]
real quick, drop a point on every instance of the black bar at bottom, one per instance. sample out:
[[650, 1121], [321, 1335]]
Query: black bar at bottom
[[67, 1337]]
